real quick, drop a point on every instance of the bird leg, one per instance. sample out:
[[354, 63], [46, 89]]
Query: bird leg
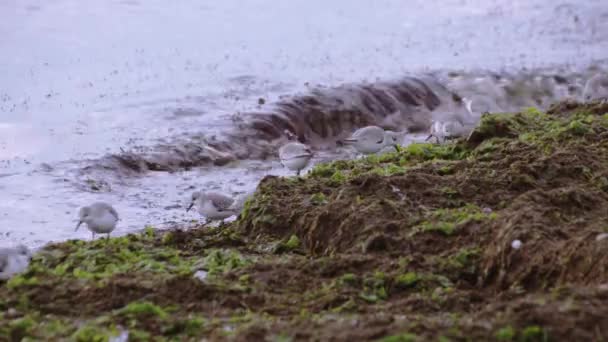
[[92, 235]]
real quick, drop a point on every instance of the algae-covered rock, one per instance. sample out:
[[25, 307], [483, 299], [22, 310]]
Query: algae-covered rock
[[410, 245]]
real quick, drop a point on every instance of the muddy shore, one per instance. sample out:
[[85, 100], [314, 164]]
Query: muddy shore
[[413, 245]]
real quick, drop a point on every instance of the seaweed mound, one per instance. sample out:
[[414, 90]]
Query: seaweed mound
[[534, 177], [499, 236]]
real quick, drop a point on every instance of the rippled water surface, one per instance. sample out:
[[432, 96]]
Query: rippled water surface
[[81, 81]]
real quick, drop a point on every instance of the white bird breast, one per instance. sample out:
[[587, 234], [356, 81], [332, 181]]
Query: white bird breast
[[296, 163], [211, 212], [367, 146], [105, 223]]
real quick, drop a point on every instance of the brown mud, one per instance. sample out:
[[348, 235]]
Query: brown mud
[[414, 245]]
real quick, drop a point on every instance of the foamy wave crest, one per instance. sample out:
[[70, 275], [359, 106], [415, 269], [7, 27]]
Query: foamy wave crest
[[324, 116]]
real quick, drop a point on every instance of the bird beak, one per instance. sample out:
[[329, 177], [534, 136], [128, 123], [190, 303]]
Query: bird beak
[[429, 137], [190, 206], [78, 225], [349, 141]]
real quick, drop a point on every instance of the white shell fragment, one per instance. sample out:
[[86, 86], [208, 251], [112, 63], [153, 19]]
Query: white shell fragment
[[601, 236], [516, 244], [200, 275]]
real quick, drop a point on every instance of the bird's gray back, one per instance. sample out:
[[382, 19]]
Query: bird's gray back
[[98, 208], [292, 149], [374, 133], [220, 201]]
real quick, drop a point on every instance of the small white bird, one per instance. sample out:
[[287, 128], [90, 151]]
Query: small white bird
[[455, 127], [372, 139], [596, 88], [295, 156], [444, 130], [13, 261], [214, 206], [100, 218]]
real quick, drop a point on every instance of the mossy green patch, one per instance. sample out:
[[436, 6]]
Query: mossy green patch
[[21, 280], [291, 244], [318, 199], [220, 261], [534, 333], [387, 164], [446, 221], [374, 288], [406, 280], [463, 261], [139, 309], [404, 337], [506, 334], [104, 258], [21, 327], [91, 333], [348, 279]]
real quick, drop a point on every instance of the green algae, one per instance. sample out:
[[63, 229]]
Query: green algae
[[404, 337], [446, 221], [90, 333], [220, 261], [318, 199], [534, 333], [292, 244], [407, 280], [506, 334], [348, 279], [374, 288], [103, 259], [388, 163], [138, 309]]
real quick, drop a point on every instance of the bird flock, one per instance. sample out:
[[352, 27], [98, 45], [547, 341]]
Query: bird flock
[[102, 218]]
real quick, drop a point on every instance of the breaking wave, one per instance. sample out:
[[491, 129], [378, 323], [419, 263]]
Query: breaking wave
[[323, 116]]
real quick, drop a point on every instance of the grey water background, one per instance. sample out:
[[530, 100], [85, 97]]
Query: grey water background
[[82, 80]]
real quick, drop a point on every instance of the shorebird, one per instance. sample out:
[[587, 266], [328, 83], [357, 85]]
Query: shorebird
[[13, 261], [596, 88], [372, 139], [295, 156], [456, 127], [444, 130], [100, 218], [214, 206]]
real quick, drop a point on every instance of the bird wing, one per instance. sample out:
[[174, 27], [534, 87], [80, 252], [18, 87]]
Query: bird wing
[[293, 150], [98, 208], [221, 202]]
